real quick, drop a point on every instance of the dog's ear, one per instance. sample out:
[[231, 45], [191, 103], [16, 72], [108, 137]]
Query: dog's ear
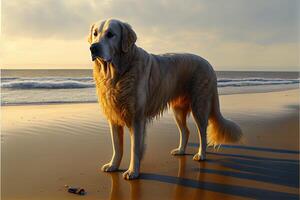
[[90, 36], [128, 37]]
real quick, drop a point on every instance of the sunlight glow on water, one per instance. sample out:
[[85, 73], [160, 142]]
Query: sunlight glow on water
[[73, 86]]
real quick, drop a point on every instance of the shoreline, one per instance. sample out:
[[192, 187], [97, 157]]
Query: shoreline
[[45, 147], [249, 90]]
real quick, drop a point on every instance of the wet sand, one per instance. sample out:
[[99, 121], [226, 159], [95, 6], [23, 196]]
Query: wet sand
[[44, 147]]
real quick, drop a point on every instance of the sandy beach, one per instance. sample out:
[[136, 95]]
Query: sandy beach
[[44, 147]]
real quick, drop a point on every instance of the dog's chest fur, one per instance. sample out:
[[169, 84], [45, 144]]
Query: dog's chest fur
[[117, 98]]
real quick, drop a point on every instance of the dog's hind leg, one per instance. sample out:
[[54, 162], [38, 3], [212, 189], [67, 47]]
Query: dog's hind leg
[[180, 114], [117, 133], [200, 112]]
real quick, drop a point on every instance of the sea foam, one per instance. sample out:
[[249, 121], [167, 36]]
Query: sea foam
[[87, 82]]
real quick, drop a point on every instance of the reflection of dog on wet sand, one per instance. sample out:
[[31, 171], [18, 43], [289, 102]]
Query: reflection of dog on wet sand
[[134, 86]]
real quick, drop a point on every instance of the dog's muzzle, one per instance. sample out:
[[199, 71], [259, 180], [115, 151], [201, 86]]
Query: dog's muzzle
[[95, 51]]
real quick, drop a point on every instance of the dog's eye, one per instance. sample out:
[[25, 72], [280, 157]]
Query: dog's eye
[[109, 34], [95, 33]]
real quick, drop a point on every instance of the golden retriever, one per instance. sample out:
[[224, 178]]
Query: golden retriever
[[134, 86]]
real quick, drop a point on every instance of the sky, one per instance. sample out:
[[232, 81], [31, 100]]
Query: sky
[[230, 34]]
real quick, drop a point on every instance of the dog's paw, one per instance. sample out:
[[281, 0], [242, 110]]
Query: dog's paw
[[198, 157], [177, 152], [129, 175], [109, 168]]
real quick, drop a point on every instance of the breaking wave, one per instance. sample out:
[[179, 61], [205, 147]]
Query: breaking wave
[[87, 82]]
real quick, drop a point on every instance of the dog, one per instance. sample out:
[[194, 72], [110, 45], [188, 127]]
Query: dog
[[134, 87]]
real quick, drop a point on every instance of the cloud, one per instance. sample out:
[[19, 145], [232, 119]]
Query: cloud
[[259, 21], [238, 33], [45, 18]]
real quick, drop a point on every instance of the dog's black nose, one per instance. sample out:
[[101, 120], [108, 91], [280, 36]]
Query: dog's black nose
[[94, 49]]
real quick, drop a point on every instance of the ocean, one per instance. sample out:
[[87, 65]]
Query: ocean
[[76, 86]]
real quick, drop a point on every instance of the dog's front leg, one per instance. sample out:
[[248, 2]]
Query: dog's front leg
[[117, 133], [136, 136]]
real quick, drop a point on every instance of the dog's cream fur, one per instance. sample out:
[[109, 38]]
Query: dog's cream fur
[[134, 86]]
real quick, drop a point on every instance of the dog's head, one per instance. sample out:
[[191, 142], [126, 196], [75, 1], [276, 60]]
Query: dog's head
[[110, 40]]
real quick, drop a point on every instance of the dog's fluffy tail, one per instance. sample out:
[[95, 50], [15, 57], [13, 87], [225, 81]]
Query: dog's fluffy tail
[[221, 130]]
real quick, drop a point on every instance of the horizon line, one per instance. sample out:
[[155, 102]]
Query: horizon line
[[237, 70]]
